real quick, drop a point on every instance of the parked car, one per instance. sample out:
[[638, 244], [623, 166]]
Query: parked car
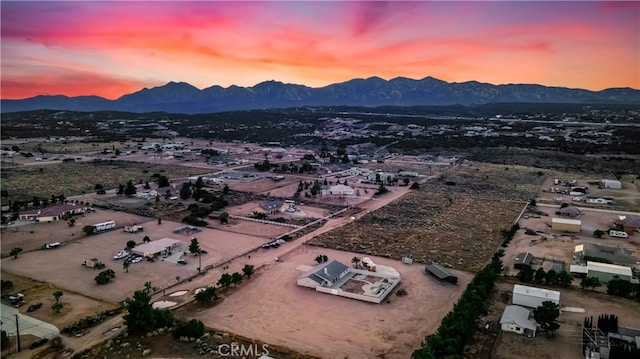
[[38, 343], [35, 306], [136, 260], [182, 261]]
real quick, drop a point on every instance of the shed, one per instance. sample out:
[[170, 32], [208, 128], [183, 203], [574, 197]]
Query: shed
[[533, 297], [523, 259], [439, 272], [516, 319], [613, 184], [566, 225], [605, 272], [155, 247]]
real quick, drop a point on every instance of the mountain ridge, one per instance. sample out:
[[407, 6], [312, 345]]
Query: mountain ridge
[[182, 97]]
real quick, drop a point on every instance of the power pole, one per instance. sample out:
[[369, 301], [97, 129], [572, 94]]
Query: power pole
[[17, 333]]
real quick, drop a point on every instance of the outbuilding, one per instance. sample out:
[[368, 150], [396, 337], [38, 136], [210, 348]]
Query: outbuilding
[[516, 319], [566, 225], [612, 184], [533, 297], [605, 272], [439, 272], [523, 259], [155, 248]]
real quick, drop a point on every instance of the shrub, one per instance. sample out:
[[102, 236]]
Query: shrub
[[192, 329]]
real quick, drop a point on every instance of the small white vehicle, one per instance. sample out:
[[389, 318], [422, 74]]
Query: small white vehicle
[[618, 234]]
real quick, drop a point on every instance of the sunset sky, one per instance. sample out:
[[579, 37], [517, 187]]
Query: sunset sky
[[110, 48]]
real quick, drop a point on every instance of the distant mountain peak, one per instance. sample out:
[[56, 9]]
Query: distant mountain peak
[[182, 97]]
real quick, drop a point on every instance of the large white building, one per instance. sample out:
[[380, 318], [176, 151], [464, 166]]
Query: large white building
[[533, 297], [605, 272]]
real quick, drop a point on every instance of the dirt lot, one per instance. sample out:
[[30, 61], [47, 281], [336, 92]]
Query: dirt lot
[[455, 219], [297, 317], [566, 343], [627, 198], [560, 246], [24, 182], [62, 266]]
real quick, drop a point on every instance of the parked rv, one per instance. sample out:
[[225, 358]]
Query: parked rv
[[618, 234], [52, 245]]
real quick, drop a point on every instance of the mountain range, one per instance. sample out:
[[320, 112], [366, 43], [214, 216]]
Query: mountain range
[[181, 97]]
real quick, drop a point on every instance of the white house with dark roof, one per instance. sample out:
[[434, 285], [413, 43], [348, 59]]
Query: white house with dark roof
[[325, 275], [338, 279], [271, 207]]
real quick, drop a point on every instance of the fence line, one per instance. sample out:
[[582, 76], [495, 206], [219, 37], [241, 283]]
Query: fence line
[[265, 221]]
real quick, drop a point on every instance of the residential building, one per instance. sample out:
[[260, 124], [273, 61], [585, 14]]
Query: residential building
[[516, 319], [533, 297]]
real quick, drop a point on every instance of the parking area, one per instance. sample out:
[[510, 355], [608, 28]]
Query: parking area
[[63, 265]]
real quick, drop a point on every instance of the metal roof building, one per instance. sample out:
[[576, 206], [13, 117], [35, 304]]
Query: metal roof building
[[523, 259], [441, 273], [533, 297], [605, 272], [155, 247]]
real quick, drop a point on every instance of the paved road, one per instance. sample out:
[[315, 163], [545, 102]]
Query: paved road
[[27, 324]]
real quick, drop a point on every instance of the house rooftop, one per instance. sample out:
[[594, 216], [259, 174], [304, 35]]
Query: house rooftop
[[552, 295], [439, 271], [609, 268], [566, 221], [519, 316]]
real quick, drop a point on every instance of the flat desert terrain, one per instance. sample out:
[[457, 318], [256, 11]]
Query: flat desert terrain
[[329, 326]]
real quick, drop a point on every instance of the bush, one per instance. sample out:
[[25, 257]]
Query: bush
[[192, 329]]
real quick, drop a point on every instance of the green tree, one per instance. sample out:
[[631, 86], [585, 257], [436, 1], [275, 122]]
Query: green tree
[[236, 278], [225, 280], [146, 239], [142, 318], [15, 251], [415, 185], [593, 282], [191, 329], [320, 258], [72, 222], [146, 185], [185, 191], [598, 233], [57, 307], [57, 295], [130, 189], [125, 265], [247, 270], [194, 246], [546, 315], [565, 278], [225, 189], [551, 277], [105, 276], [355, 261], [526, 274], [131, 244], [206, 296], [147, 287], [539, 276], [163, 181], [199, 182], [88, 230]]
